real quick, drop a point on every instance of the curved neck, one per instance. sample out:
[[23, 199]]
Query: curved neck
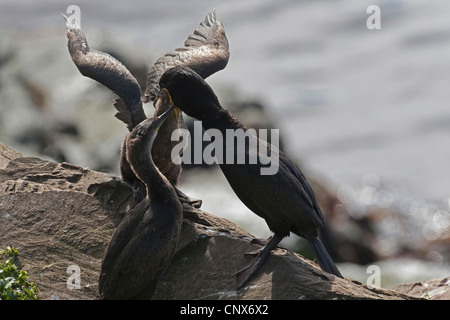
[[139, 156], [220, 119]]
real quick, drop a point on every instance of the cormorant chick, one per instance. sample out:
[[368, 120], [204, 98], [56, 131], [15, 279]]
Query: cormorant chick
[[206, 51], [143, 244], [285, 199]]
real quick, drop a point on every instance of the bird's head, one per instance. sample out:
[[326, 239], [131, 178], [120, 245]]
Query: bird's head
[[145, 133], [189, 92]]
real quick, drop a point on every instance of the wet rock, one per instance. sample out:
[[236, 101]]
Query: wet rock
[[59, 216]]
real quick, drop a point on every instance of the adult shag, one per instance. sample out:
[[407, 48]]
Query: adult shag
[[143, 244], [285, 199]]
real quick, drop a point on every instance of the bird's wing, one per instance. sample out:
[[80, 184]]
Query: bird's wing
[[205, 51], [305, 188], [302, 188], [110, 72], [284, 199], [138, 252], [116, 245]]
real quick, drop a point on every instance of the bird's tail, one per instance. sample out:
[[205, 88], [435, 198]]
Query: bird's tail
[[323, 258]]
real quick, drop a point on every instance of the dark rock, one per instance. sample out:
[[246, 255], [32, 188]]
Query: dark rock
[[59, 215]]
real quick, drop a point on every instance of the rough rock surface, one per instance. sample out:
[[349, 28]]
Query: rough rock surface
[[436, 289], [59, 215]]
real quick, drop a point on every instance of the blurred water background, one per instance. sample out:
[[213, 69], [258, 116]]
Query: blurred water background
[[364, 111]]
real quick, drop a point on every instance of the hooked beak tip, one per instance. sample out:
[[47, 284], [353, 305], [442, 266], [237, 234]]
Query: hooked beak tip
[[176, 110]]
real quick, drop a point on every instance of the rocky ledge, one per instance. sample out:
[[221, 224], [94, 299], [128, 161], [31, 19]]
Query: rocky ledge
[[60, 217]]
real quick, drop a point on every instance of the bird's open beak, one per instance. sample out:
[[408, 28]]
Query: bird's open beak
[[161, 102], [168, 94], [176, 110], [164, 116]]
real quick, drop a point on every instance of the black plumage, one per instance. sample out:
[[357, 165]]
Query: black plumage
[[144, 242], [284, 199], [206, 51]]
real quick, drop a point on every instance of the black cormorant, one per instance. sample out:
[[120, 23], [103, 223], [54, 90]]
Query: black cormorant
[[285, 199], [206, 51], [143, 244]]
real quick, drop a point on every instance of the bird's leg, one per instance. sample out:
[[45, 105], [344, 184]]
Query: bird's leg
[[260, 242], [196, 203], [249, 271]]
